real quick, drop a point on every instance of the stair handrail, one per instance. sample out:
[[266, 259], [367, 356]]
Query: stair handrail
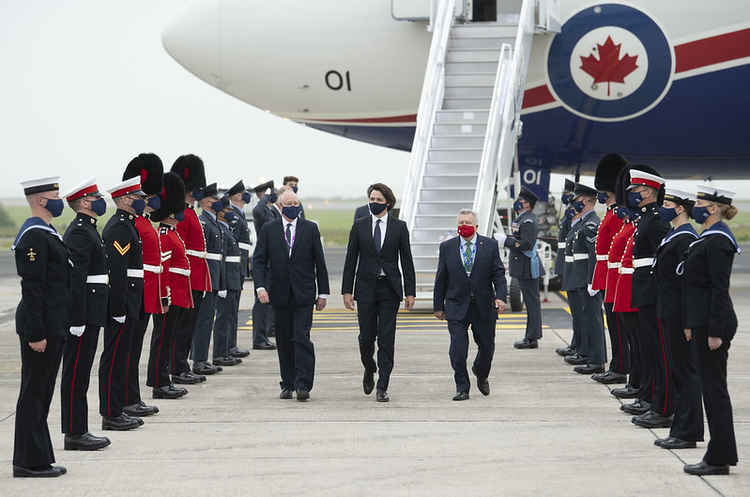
[[503, 125], [430, 101]]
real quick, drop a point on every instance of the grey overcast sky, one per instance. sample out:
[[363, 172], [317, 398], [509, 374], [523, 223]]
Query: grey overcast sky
[[87, 86]]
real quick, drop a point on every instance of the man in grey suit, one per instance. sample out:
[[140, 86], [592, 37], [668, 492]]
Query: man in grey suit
[[525, 265]]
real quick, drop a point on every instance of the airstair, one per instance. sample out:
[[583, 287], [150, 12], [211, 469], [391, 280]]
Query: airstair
[[468, 122]]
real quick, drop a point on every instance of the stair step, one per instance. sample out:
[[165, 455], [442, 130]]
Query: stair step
[[436, 235], [442, 207], [441, 168], [462, 116], [483, 31], [424, 249], [446, 221], [470, 67], [453, 141], [460, 129], [447, 193], [475, 55], [480, 79], [457, 154], [470, 91], [494, 43], [459, 180], [467, 103]]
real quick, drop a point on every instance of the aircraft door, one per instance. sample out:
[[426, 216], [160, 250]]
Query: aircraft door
[[419, 10]]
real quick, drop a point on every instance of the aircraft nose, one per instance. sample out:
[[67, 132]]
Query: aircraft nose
[[193, 39]]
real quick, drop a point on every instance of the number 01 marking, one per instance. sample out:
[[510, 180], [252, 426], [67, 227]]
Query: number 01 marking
[[336, 81]]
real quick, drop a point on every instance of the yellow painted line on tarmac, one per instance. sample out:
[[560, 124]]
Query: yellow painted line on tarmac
[[567, 309]]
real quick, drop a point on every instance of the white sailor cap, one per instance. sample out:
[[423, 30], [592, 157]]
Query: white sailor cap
[[127, 187], [40, 185], [88, 188], [678, 196], [712, 194], [642, 178]]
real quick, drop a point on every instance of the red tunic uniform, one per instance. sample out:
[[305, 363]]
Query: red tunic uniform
[[624, 293], [176, 281], [191, 232], [608, 228], [151, 265], [616, 250]]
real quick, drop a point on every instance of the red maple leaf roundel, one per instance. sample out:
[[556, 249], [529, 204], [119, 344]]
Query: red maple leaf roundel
[[609, 68]]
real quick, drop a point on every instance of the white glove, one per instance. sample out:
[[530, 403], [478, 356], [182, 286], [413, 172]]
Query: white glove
[[591, 290], [77, 330], [222, 294], [501, 237], [119, 319]]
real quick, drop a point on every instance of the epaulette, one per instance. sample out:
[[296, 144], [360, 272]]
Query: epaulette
[[163, 230]]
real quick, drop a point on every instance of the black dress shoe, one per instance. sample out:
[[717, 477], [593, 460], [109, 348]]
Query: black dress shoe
[[41, 472], [589, 369], [610, 378], [461, 396], [483, 385], [576, 360], [626, 392], [672, 443], [227, 361], [140, 410], [235, 352], [705, 469], [186, 378], [119, 423], [144, 405], [264, 346], [382, 396], [168, 392], [137, 420], [652, 420], [204, 368], [565, 351], [85, 441], [303, 395], [636, 408], [526, 344], [368, 382], [286, 394]]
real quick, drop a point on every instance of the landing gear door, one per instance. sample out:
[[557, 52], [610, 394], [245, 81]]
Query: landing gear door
[[419, 10]]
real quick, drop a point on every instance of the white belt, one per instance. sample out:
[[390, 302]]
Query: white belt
[[602, 257], [233, 258], [626, 270], [152, 269], [135, 273], [98, 278], [578, 257], [560, 245], [569, 258], [245, 246], [643, 261], [613, 265], [177, 270], [196, 253], [212, 256]]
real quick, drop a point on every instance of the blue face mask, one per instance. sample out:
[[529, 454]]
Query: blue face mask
[[154, 202], [667, 214], [138, 205], [567, 198], [634, 199], [230, 217], [54, 206], [198, 194], [179, 215], [217, 206], [377, 208], [291, 211], [272, 198], [246, 197], [99, 206], [602, 197], [622, 212], [295, 189], [700, 214], [578, 206], [569, 213], [517, 205]]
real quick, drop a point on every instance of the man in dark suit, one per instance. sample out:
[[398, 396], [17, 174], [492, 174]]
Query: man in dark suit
[[470, 289], [362, 211], [289, 272], [377, 242]]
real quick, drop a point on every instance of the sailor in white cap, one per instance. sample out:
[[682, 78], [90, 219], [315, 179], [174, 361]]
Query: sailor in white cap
[[42, 322]]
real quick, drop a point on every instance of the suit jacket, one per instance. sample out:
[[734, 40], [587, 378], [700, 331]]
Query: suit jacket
[[296, 275], [523, 231], [123, 245], [90, 259], [454, 289], [366, 262], [362, 211]]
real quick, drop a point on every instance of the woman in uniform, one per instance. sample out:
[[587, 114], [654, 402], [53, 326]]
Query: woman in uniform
[[711, 322]]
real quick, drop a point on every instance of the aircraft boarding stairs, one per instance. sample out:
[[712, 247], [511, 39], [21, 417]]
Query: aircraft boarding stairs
[[468, 124]]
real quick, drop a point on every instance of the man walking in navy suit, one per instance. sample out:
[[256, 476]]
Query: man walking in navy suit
[[470, 289]]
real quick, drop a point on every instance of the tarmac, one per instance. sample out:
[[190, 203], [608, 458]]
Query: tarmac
[[543, 431]]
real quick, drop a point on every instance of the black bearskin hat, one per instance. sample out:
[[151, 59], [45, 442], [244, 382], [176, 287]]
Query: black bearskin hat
[[150, 168], [607, 170], [191, 170], [172, 197]]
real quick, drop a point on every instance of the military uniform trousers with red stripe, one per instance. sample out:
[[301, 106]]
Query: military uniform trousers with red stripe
[[78, 359]]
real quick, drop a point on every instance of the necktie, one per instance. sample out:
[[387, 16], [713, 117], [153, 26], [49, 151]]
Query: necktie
[[289, 235], [468, 263], [376, 235]]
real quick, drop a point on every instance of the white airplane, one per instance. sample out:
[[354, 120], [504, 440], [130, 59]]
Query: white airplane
[[661, 82]]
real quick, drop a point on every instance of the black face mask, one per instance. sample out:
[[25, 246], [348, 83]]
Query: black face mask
[[377, 208]]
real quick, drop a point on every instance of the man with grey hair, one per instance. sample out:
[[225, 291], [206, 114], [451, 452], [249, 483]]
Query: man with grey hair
[[470, 289]]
